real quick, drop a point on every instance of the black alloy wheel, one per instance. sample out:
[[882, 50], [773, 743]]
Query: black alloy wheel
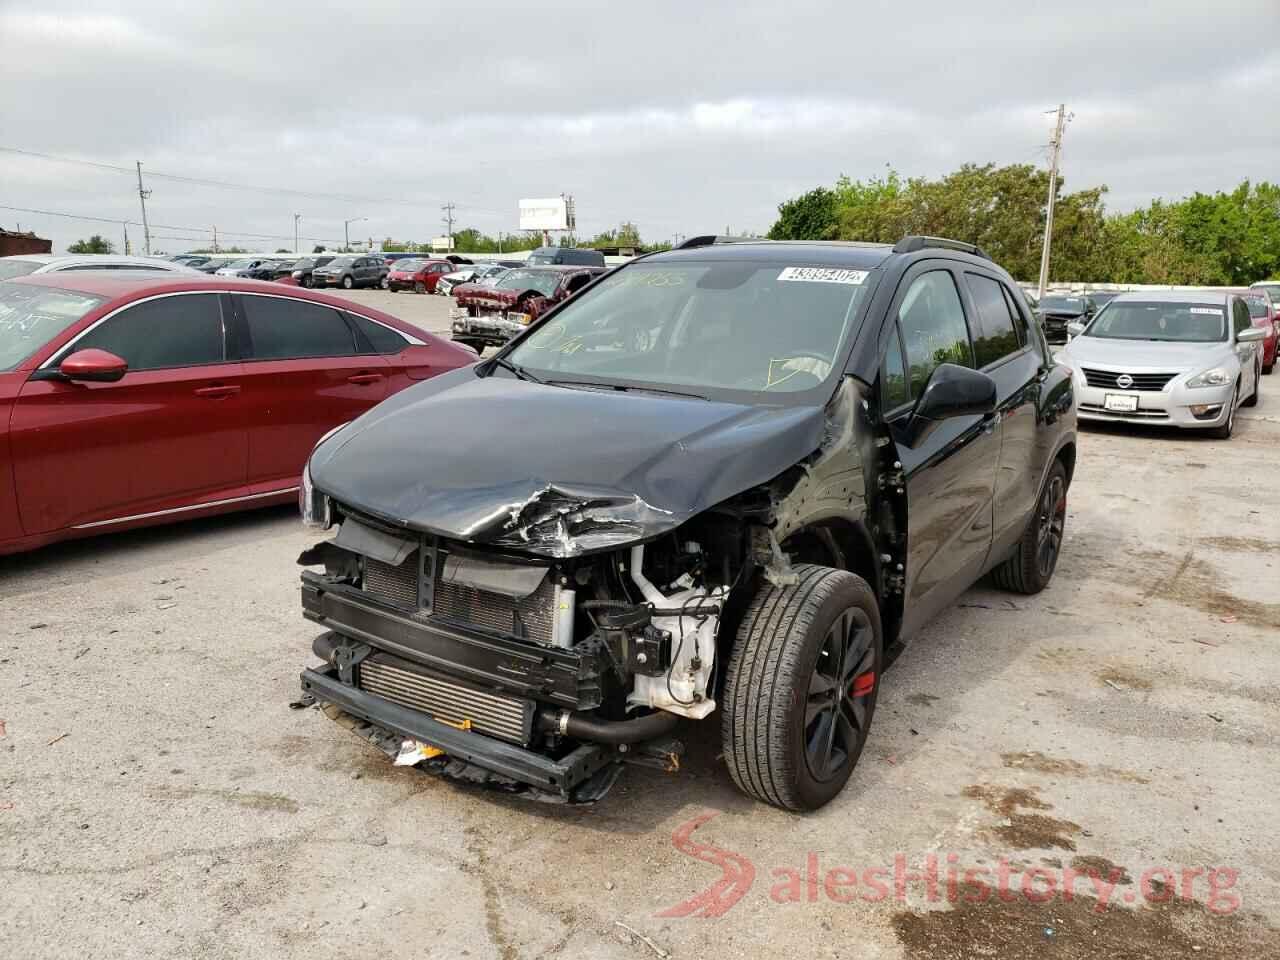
[[837, 717], [1051, 521]]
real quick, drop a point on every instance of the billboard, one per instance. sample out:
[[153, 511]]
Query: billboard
[[547, 213], [442, 243]]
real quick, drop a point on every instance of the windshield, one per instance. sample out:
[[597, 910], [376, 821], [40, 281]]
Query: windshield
[[761, 328], [31, 316], [544, 282], [341, 262], [10, 268], [1177, 322], [407, 266], [1259, 306], [543, 255], [241, 264], [1063, 304]]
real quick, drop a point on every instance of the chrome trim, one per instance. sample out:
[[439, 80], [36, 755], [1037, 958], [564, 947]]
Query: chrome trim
[[62, 351], [197, 506]]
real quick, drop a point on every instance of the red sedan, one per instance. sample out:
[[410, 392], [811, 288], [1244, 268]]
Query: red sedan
[[420, 276], [127, 401]]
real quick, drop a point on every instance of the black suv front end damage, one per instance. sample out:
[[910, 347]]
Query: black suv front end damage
[[719, 483]]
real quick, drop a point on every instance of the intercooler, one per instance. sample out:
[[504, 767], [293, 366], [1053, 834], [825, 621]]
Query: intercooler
[[447, 700], [531, 617]]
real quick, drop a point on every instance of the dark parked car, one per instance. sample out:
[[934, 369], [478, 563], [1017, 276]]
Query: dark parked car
[[282, 269], [214, 264], [488, 316], [349, 272], [1058, 311], [303, 270], [128, 401], [565, 256], [546, 560]]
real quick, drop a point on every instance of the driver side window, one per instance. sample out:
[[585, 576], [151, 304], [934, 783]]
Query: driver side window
[[933, 327], [175, 331]]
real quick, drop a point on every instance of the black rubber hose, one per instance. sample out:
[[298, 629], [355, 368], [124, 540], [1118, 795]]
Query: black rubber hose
[[581, 727]]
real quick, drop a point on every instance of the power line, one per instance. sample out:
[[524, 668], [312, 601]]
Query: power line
[[161, 226], [228, 185]]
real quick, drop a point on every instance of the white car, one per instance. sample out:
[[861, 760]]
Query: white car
[[23, 264], [1184, 359]]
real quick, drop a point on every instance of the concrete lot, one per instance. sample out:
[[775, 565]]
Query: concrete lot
[[428, 311], [159, 798]]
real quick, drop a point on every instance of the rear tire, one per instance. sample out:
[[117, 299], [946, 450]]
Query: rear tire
[[1031, 566], [800, 687]]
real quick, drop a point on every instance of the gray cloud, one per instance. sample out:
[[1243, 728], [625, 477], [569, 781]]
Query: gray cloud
[[682, 117]]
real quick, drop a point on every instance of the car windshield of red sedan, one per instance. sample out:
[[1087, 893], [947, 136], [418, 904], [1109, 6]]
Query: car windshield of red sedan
[[11, 267], [1183, 322], [1259, 306], [407, 266], [762, 328], [31, 316], [544, 283]]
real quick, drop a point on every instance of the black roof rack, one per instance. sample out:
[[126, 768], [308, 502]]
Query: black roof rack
[[911, 244], [710, 238]]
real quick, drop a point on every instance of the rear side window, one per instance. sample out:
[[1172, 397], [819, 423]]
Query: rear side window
[[178, 331], [384, 339], [933, 329], [994, 337], [1258, 307], [283, 329]]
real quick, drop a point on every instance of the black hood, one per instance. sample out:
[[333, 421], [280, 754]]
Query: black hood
[[554, 471]]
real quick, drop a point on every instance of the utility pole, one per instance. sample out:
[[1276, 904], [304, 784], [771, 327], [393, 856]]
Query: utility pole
[[1056, 144], [448, 221], [215, 238], [142, 196], [346, 234], [124, 224], [296, 218]]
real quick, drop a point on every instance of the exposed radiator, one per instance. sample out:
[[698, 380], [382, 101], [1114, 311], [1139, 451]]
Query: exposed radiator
[[531, 617], [399, 585], [449, 701]]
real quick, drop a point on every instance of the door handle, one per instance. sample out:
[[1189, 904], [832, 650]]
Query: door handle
[[364, 378], [218, 391]]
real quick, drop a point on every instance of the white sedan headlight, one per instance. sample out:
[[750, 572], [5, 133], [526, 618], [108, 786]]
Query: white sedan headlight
[[1215, 377]]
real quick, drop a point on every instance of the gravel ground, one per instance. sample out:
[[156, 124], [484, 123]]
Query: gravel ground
[[159, 798]]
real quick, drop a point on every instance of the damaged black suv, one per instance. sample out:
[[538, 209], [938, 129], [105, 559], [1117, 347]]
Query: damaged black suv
[[717, 484]]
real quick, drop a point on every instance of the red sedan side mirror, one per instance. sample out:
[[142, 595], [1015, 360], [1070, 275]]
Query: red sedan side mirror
[[93, 365]]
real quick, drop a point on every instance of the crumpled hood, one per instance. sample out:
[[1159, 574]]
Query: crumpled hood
[[1147, 356], [554, 471]]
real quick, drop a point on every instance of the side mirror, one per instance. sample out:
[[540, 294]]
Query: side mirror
[[93, 366], [1250, 334], [1075, 328], [952, 391]]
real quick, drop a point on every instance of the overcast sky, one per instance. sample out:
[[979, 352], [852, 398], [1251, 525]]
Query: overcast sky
[[683, 117]]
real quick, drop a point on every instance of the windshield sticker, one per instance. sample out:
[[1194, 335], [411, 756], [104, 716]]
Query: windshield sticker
[[823, 275], [1208, 311]]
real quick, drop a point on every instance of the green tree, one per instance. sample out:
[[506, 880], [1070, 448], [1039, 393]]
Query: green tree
[[95, 244], [811, 216]]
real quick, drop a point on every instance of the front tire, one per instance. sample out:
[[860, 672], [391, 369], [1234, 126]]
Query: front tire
[[348, 283], [800, 687], [419, 287], [1257, 385], [1224, 432], [1031, 566]]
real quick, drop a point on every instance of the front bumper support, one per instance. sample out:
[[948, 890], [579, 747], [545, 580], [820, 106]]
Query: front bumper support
[[560, 778]]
